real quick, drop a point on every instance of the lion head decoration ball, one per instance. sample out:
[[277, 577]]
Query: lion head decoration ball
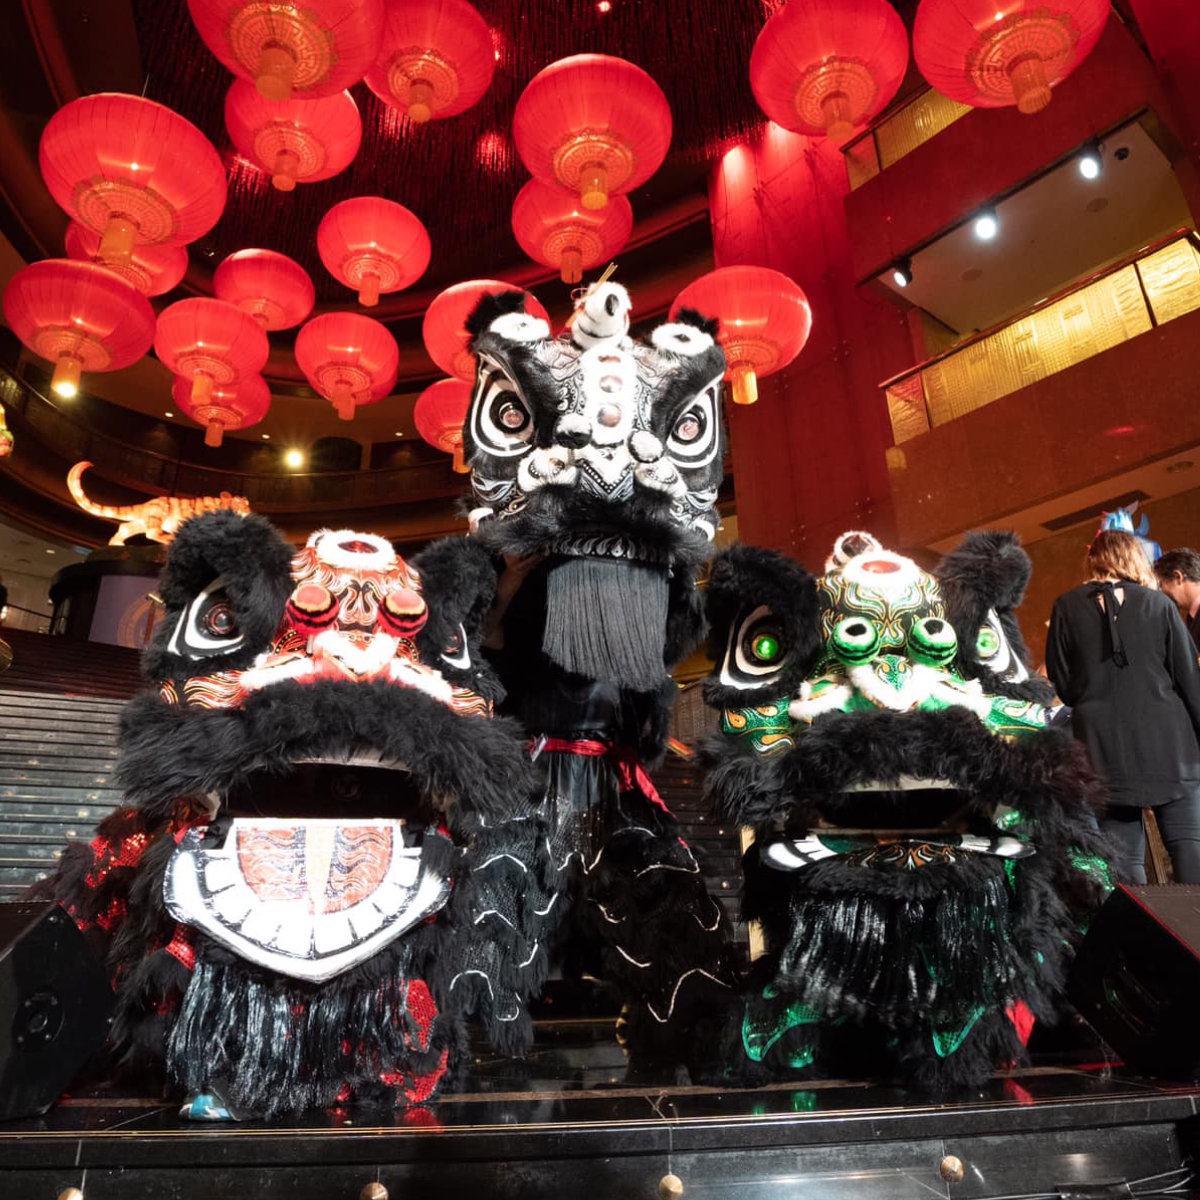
[[926, 853], [294, 900], [604, 453]]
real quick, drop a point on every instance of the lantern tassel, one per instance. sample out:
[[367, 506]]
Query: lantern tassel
[[202, 386], [286, 171], [368, 289], [460, 462], [116, 245], [593, 186], [343, 402], [68, 370], [276, 71], [571, 265], [214, 432], [1027, 74], [420, 101], [744, 383], [835, 108]]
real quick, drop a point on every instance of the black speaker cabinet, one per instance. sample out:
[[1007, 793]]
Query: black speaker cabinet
[[55, 1003], [1137, 978]]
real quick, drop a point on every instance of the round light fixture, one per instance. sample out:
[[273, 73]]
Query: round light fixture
[[902, 273], [294, 459], [1090, 161], [987, 224]]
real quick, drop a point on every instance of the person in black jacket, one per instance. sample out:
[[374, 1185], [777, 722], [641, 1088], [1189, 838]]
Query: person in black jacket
[[1119, 654], [1178, 574]]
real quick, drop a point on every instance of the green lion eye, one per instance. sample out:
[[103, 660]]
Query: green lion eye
[[987, 643], [855, 640], [765, 646], [932, 641]]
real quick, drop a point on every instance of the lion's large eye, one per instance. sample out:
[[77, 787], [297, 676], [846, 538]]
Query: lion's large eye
[[987, 643], [855, 640], [757, 650], [500, 420], [208, 626], [932, 641], [695, 438], [994, 651]]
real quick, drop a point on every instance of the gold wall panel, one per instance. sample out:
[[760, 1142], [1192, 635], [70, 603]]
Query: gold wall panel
[[1171, 277], [915, 124]]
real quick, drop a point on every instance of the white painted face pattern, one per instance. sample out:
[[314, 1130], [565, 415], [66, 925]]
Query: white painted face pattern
[[740, 669], [501, 419], [198, 631]]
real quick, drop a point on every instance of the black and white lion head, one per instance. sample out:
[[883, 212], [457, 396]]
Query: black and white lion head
[[592, 443]]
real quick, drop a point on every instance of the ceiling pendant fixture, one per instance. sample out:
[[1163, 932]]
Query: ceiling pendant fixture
[[227, 407], [349, 359], [444, 329], [305, 50], [440, 412], [293, 141], [132, 171], [555, 230], [765, 321], [373, 245], [992, 53], [212, 344], [436, 58], [825, 67], [153, 270], [79, 316], [274, 289], [593, 124]]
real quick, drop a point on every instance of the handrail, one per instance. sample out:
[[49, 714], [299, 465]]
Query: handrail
[[159, 473], [1182, 233]]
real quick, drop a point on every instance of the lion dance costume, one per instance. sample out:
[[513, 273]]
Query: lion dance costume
[[294, 903], [603, 454], [926, 853]]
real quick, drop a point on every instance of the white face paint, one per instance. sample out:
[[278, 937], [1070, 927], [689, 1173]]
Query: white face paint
[[198, 632], [742, 668]]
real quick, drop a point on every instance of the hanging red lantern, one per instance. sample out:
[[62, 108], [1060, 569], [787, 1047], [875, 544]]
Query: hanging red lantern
[[439, 414], [373, 245], [594, 124], [211, 343], [990, 53], [293, 141], [444, 330], [79, 316], [349, 359], [228, 406], [436, 59], [555, 230], [133, 171], [153, 270], [307, 50], [765, 321], [274, 289], [826, 66]]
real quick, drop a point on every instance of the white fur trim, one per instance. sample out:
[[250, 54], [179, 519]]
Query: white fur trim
[[520, 327], [681, 338], [327, 543]]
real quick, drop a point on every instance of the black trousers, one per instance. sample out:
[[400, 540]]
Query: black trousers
[[1179, 823]]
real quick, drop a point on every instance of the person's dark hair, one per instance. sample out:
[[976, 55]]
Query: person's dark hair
[[1185, 560]]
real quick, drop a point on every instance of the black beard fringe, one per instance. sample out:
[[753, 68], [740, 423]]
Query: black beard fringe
[[606, 620]]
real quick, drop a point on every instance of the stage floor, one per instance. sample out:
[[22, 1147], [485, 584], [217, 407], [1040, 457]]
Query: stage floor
[[576, 1116]]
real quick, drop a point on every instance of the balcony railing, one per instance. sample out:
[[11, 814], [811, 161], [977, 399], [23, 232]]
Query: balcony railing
[[37, 415], [1147, 289], [899, 133]]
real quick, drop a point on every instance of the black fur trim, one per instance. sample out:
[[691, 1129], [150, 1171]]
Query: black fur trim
[[492, 305], [692, 316], [256, 563]]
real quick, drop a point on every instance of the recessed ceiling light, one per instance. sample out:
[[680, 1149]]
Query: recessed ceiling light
[[987, 224], [294, 459], [266, 437], [398, 433], [166, 414], [50, 550], [1090, 161]]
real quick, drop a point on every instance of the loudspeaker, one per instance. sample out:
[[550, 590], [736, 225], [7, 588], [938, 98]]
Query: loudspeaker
[[1137, 977], [55, 1004]]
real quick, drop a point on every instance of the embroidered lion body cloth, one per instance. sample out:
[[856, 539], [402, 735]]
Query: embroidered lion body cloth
[[294, 902], [926, 851]]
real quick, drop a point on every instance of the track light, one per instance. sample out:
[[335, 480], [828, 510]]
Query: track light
[[1090, 161], [902, 274], [987, 224]]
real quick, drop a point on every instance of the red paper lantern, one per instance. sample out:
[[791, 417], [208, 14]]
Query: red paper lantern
[[275, 290], [211, 343], [593, 124], [989, 53], [228, 406], [439, 414], [765, 321], [444, 329], [825, 66], [153, 270], [294, 141], [436, 59], [310, 48], [133, 171], [374, 245], [554, 229], [349, 359], [79, 316]]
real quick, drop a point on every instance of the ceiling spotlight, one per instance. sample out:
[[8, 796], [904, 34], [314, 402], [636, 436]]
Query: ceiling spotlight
[[266, 437], [902, 274], [294, 459], [1090, 162], [987, 224], [167, 414]]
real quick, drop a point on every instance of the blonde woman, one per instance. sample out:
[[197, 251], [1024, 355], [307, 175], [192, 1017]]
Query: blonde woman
[[1120, 656]]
